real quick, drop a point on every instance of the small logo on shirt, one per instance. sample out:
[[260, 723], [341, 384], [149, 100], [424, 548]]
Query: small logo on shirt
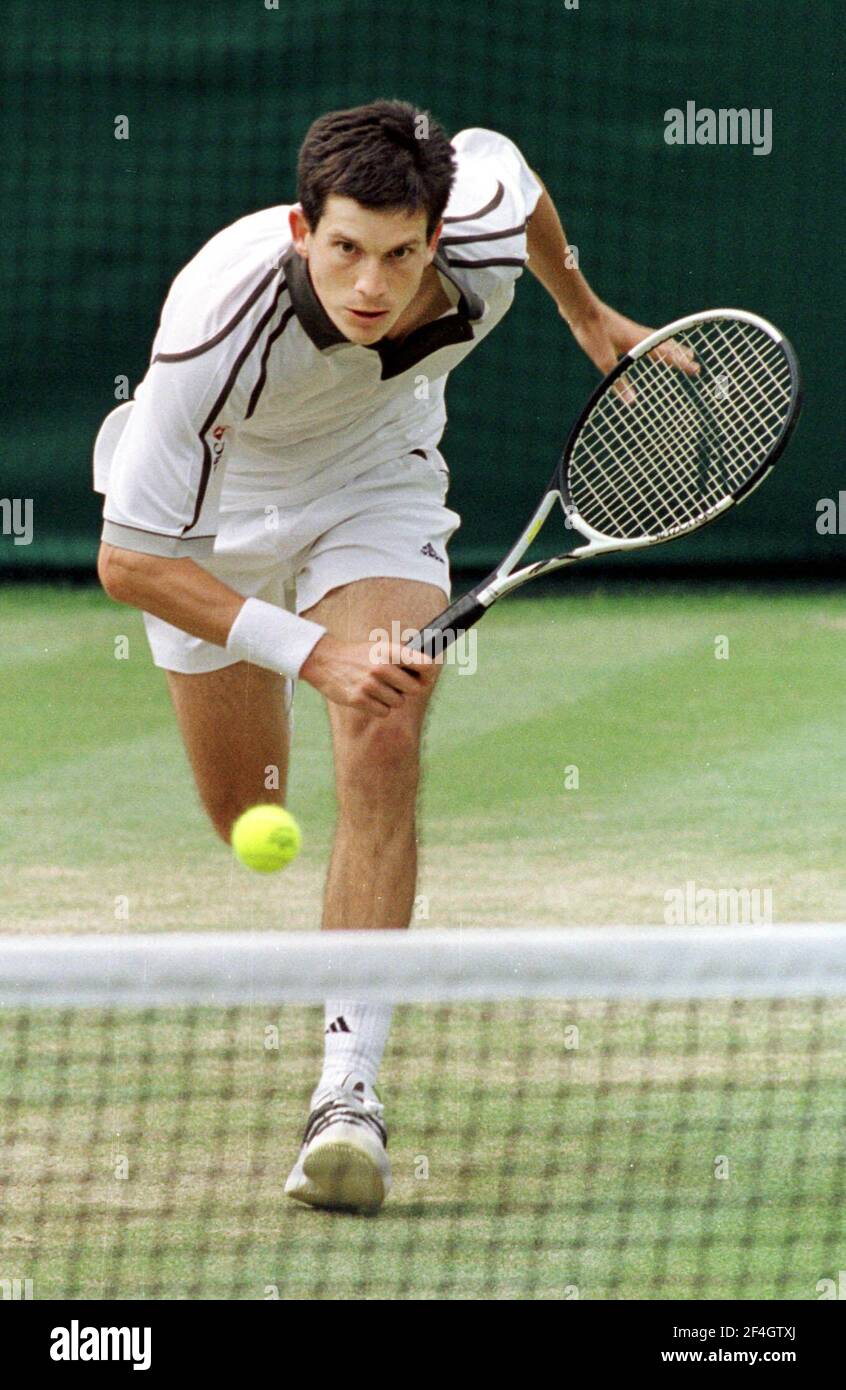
[[217, 448], [429, 549]]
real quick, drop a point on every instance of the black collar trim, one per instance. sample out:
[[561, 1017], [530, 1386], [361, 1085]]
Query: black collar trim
[[307, 306], [395, 357]]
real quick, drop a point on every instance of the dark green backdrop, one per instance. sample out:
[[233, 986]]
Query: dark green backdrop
[[218, 98]]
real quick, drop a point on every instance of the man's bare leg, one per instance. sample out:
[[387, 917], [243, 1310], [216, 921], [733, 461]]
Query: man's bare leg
[[371, 883], [373, 870], [235, 732]]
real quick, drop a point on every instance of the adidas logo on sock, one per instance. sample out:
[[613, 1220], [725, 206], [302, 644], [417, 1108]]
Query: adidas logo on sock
[[338, 1025], [429, 549]]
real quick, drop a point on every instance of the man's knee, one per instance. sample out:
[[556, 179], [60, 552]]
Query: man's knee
[[372, 752]]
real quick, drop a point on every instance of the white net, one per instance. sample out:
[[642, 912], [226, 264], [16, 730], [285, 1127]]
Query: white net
[[617, 1113]]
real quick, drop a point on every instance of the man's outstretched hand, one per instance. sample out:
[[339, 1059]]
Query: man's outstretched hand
[[604, 335]]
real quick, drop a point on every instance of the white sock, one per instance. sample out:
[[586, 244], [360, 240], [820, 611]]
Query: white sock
[[354, 1039]]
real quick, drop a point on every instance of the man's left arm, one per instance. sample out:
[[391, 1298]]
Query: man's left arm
[[598, 329]]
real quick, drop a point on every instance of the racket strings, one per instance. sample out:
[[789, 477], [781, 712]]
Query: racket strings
[[684, 444], [661, 439], [742, 423], [638, 490], [678, 434], [681, 432]]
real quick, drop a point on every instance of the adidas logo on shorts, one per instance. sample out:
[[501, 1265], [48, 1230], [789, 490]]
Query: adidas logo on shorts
[[429, 549]]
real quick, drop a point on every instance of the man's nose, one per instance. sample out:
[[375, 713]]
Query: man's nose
[[371, 281]]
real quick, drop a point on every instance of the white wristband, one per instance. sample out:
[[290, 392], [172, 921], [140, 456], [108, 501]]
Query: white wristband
[[273, 637]]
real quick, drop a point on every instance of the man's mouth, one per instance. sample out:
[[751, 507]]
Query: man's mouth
[[367, 315]]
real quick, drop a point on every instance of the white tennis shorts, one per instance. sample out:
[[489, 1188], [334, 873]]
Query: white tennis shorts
[[388, 523]]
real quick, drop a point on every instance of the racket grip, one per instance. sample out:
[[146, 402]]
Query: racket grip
[[442, 631]]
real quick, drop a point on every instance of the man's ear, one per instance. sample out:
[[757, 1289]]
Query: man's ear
[[300, 230], [433, 242]]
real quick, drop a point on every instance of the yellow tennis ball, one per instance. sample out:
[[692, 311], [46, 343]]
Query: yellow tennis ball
[[266, 838]]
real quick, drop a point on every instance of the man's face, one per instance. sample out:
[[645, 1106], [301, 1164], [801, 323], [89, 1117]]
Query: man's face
[[365, 266]]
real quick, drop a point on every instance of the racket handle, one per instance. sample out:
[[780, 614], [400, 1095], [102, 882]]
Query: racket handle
[[442, 631]]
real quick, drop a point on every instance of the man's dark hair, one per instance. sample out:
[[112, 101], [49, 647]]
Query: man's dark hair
[[387, 154]]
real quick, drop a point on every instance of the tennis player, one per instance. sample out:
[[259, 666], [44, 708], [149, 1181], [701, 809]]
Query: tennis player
[[275, 495]]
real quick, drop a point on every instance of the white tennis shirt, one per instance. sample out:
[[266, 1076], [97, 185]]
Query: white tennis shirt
[[254, 397]]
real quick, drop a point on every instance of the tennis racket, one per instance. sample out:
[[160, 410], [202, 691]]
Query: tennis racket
[[688, 423]]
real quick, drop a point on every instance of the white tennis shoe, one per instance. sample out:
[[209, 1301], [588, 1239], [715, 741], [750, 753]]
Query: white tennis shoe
[[343, 1163]]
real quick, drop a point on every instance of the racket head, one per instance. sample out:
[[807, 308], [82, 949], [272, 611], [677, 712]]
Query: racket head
[[657, 453]]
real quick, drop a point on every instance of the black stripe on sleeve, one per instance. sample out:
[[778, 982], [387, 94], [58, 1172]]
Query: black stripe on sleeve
[[480, 265], [483, 236], [482, 212], [225, 331], [221, 401], [262, 376]]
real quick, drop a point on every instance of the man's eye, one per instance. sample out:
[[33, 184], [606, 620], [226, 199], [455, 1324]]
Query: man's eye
[[348, 247]]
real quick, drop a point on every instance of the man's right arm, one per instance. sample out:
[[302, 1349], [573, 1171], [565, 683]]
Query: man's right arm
[[177, 590], [181, 592]]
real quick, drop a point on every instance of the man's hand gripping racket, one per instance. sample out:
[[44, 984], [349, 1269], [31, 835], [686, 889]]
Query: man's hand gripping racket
[[689, 422]]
